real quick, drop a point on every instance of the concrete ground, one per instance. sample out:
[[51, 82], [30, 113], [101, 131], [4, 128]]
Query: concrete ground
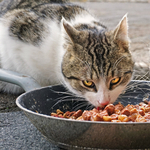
[[110, 14]]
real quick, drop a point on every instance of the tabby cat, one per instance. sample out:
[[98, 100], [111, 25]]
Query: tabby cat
[[63, 43]]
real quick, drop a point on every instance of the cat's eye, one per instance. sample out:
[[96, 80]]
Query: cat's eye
[[115, 81], [89, 84]]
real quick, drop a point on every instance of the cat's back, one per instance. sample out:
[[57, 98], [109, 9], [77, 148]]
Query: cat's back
[[56, 11], [33, 24], [8, 5], [44, 8]]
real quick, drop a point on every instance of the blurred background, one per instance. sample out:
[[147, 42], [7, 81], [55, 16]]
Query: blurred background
[[142, 1]]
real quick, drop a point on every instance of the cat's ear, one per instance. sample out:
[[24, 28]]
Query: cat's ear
[[74, 34], [121, 31]]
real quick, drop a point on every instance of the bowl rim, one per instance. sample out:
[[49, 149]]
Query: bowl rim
[[19, 99]]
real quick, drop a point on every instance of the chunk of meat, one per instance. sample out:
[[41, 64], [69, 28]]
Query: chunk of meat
[[110, 108]]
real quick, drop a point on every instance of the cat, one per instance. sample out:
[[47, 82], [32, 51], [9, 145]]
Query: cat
[[63, 43]]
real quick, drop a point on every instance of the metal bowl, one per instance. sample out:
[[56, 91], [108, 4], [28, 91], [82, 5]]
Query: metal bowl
[[71, 134]]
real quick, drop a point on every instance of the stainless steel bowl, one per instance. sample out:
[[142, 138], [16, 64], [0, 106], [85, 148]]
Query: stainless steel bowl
[[72, 134]]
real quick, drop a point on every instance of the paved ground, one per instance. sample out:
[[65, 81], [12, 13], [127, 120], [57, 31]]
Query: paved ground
[[17, 133], [110, 14]]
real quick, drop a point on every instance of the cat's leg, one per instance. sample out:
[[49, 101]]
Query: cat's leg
[[10, 88]]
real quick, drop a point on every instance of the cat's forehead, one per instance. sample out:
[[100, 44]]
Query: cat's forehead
[[100, 41], [102, 61]]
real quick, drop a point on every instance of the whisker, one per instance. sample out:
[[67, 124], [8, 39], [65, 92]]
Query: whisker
[[62, 98], [129, 86], [89, 106], [66, 93], [80, 105], [66, 100]]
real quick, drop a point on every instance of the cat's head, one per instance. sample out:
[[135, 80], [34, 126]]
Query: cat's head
[[97, 64]]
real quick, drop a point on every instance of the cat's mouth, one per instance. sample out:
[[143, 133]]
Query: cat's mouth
[[105, 103]]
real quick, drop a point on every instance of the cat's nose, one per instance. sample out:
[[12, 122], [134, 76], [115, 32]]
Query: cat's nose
[[105, 103]]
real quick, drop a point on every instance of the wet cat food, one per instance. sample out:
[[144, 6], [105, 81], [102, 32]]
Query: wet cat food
[[111, 113]]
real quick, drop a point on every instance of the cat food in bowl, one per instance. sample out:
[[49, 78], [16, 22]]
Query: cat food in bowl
[[111, 113]]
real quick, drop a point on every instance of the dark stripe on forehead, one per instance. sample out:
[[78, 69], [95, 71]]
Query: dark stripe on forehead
[[102, 52], [106, 41], [91, 53], [106, 51], [108, 69], [98, 58]]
